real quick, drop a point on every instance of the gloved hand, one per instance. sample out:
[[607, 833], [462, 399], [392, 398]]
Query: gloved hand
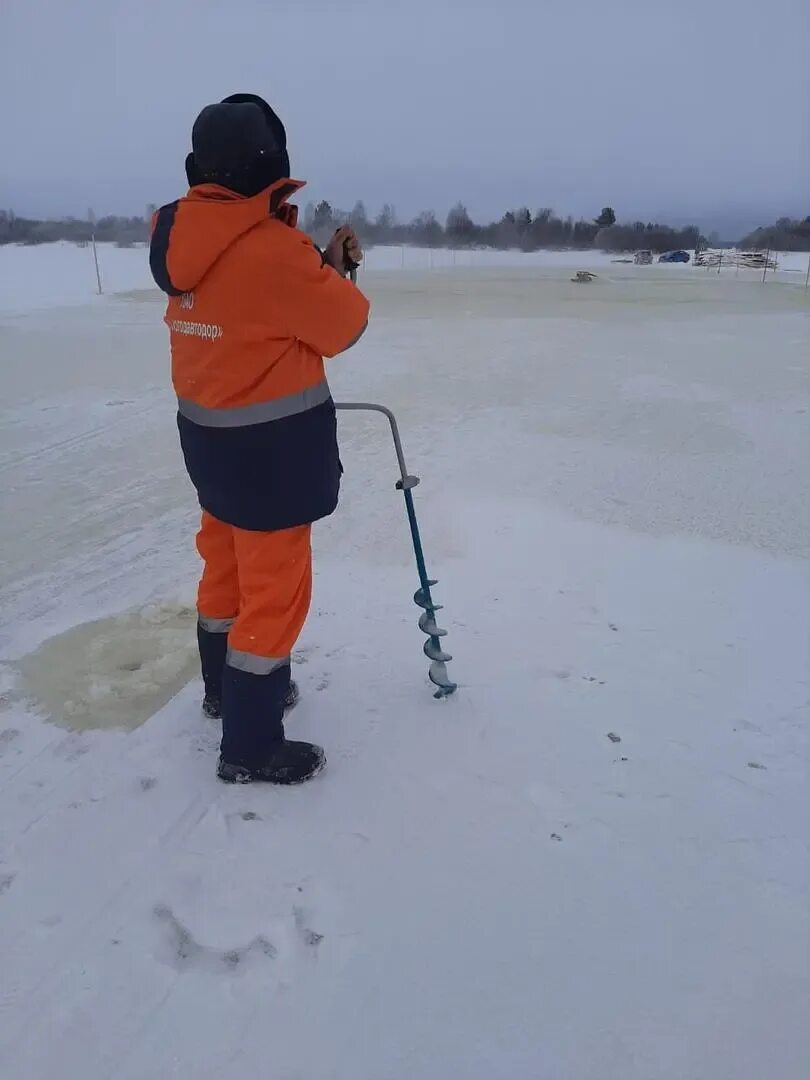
[[343, 252]]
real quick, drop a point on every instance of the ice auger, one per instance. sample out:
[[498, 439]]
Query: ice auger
[[422, 597]]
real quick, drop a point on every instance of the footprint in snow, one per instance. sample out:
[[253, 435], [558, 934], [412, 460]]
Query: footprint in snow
[[7, 737], [71, 748], [302, 919], [181, 950], [237, 817]]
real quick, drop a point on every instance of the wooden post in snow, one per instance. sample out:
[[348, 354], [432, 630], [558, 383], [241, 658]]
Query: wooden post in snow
[[95, 260], [765, 267]]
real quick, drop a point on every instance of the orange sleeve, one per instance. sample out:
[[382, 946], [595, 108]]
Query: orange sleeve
[[321, 308]]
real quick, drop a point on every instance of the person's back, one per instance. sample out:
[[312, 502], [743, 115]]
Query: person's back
[[253, 309]]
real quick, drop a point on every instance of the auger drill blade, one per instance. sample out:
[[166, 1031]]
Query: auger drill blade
[[421, 600], [432, 647], [433, 651], [439, 677], [427, 624]]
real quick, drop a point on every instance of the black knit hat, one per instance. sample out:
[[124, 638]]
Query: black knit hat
[[239, 143]]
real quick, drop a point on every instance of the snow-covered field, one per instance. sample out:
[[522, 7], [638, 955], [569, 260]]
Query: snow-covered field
[[615, 499], [55, 274]]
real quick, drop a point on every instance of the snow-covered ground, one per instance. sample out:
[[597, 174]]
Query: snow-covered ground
[[615, 500]]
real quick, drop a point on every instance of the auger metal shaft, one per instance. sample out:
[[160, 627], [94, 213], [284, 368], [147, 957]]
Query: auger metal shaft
[[422, 597]]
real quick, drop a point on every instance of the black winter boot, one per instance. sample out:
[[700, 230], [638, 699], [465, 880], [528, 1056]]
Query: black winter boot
[[293, 696], [290, 763], [213, 649], [212, 703], [212, 707], [253, 744], [252, 715]]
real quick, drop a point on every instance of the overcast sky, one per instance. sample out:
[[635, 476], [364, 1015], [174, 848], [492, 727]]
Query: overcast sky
[[677, 109]]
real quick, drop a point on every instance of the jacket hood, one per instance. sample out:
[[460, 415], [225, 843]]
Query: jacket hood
[[189, 235]]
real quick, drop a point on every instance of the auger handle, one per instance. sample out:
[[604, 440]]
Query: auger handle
[[406, 480], [350, 265]]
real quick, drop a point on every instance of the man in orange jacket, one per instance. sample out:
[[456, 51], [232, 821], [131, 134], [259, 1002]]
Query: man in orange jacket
[[253, 309]]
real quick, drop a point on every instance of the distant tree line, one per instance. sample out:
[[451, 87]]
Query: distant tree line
[[519, 229], [787, 234], [123, 231]]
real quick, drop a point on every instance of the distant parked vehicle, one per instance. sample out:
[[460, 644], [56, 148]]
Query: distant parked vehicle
[[674, 257]]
